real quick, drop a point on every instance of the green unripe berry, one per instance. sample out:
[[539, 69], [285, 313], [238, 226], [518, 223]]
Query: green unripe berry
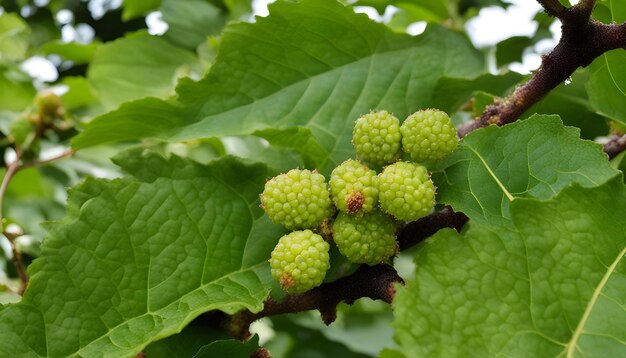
[[428, 135], [50, 105], [300, 260], [354, 187], [406, 191], [369, 239], [298, 199], [376, 138]]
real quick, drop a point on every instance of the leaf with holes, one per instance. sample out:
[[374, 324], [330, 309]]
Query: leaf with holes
[[549, 284]]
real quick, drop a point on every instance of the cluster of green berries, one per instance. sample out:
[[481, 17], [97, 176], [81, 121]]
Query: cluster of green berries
[[371, 206]]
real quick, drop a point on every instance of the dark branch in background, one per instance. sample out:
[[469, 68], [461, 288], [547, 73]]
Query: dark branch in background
[[615, 146], [583, 39], [376, 282]]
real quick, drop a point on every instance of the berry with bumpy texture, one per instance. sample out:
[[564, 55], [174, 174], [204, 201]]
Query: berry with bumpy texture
[[300, 261], [406, 191], [354, 187], [298, 199], [369, 239], [428, 135], [376, 138]]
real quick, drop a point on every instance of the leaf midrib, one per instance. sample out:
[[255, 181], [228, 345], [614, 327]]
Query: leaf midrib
[[152, 313], [493, 175], [573, 343]]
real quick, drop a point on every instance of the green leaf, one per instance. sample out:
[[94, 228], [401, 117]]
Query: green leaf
[[531, 158], [299, 139], [312, 63], [14, 36], [302, 341], [137, 8], [617, 9], [71, 51], [363, 327], [186, 343], [136, 259], [607, 85], [80, 93], [571, 103], [191, 21], [553, 289], [451, 93], [17, 89], [512, 49], [410, 12], [229, 348], [136, 66]]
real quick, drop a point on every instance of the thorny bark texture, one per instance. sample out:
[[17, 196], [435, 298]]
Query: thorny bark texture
[[583, 39]]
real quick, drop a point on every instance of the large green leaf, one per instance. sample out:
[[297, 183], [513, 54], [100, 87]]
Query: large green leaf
[[17, 89], [229, 348], [14, 34], [136, 8], [312, 63], [451, 93], [553, 289], [139, 65], [191, 21], [71, 51], [136, 259], [607, 85], [535, 158], [571, 102]]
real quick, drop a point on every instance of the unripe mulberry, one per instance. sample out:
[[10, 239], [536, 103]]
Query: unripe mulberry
[[376, 138], [406, 191], [298, 199], [354, 187], [299, 261], [428, 135], [369, 238]]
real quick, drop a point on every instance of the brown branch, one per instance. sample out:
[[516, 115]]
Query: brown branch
[[65, 154], [418, 231], [376, 282], [553, 7], [17, 261], [582, 40], [615, 146], [12, 169]]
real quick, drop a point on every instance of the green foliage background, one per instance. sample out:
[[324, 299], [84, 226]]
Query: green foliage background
[[176, 134]]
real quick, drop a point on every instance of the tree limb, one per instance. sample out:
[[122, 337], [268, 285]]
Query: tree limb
[[582, 40], [553, 7], [376, 282], [615, 146], [418, 231]]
